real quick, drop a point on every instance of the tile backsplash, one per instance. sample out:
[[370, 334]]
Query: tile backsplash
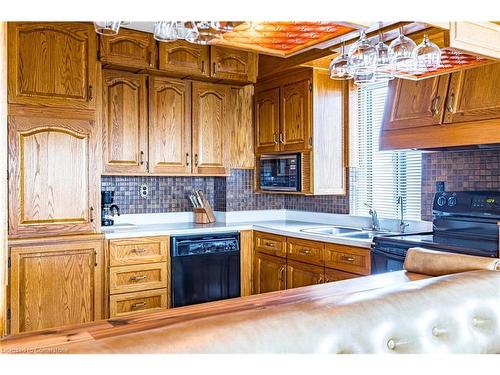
[[232, 193], [461, 171]]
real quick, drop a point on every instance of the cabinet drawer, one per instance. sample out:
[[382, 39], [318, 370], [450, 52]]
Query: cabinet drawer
[[135, 278], [336, 275], [347, 258], [138, 251], [133, 302], [270, 244], [305, 251]]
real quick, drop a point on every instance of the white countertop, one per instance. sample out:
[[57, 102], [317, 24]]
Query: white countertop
[[285, 223]]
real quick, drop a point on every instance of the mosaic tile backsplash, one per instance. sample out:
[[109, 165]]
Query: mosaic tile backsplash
[[232, 193], [461, 171]]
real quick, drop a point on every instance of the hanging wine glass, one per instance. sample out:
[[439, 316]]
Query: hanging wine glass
[[107, 27], [165, 31], [187, 30], [362, 60], [427, 56], [339, 66], [402, 53], [384, 70], [207, 32]]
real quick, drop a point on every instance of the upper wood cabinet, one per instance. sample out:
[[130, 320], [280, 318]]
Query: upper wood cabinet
[[125, 121], [53, 175], [474, 95], [52, 64], [267, 120], [233, 65], [169, 126], [304, 111], [468, 102], [209, 128], [55, 284], [129, 48], [295, 116], [269, 273], [412, 104], [184, 59]]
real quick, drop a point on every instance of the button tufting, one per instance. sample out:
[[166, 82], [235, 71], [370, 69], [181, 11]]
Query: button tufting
[[479, 321], [438, 331], [391, 344]]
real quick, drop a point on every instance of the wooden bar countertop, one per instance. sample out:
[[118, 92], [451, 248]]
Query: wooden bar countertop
[[52, 341]]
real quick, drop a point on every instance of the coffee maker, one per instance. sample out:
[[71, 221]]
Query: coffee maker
[[108, 209]]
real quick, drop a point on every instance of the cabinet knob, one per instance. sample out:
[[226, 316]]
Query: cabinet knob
[[347, 259], [305, 251], [270, 244]]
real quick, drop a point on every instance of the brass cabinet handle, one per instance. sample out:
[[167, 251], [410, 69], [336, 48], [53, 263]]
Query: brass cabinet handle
[[187, 159], [347, 259], [137, 305], [139, 250], [91, 93], [150, 56], [281, 138], [320, 281], [91, 214], [449, 105], [137, 278], [275, 138], [270, 244], [305, 251], [434, 106], [141, 159], [282, 270], [195, 160]]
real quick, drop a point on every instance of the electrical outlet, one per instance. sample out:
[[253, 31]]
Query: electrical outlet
[[144, 190], [440, 186]]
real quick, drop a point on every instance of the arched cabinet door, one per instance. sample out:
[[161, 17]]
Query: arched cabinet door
[[125, 122], [52, 64], [267, 117], [210, 154], [184, 59], [53, 176], [169, 126], [296, 122], [234, 65]]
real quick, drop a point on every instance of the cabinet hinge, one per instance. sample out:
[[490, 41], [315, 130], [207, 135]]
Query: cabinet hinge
[[310, 86], [310, 141], [8, 314], [8, 262], [98, 54]]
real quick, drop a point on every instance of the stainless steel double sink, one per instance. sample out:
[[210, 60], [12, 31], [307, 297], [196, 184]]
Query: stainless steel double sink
[[347, 232]]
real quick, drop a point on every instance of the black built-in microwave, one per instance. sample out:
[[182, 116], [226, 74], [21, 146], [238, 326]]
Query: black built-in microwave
[[280, 172]]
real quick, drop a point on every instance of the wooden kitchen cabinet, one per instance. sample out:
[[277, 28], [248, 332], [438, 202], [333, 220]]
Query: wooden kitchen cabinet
[[305, 251], [52, 64], [233, 65], [474, 95], [304, 111], [271, 244], [302, 274], [209, 146], [183, 59], [128, 49], [149, 300], [295, 116], [332, 275], [55, 284], [348, 258], [169, 126], [411, 104], [269, 273], [267, 120], [53, 174], [125, 122]]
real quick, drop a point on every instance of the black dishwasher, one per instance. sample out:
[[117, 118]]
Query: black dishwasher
[[205, 268]]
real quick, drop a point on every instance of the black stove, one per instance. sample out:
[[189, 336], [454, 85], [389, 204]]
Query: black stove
[[464, 222]]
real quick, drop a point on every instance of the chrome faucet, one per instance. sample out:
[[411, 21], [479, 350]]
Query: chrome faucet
[[373, 214], [402, 224]]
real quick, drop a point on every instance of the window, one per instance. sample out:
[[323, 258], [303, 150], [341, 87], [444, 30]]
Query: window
[[380, 177]]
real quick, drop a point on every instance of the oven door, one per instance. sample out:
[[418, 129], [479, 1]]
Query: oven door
[[383, 261]]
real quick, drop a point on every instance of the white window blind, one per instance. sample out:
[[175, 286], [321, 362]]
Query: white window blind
[[381, 176]]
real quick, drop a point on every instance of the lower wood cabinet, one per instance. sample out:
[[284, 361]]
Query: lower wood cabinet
[[336, 275], [55, 283], [139, 274], [302, 274], [269, 273]]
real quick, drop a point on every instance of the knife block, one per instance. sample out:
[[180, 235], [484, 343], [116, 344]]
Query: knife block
[[204, 215]]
